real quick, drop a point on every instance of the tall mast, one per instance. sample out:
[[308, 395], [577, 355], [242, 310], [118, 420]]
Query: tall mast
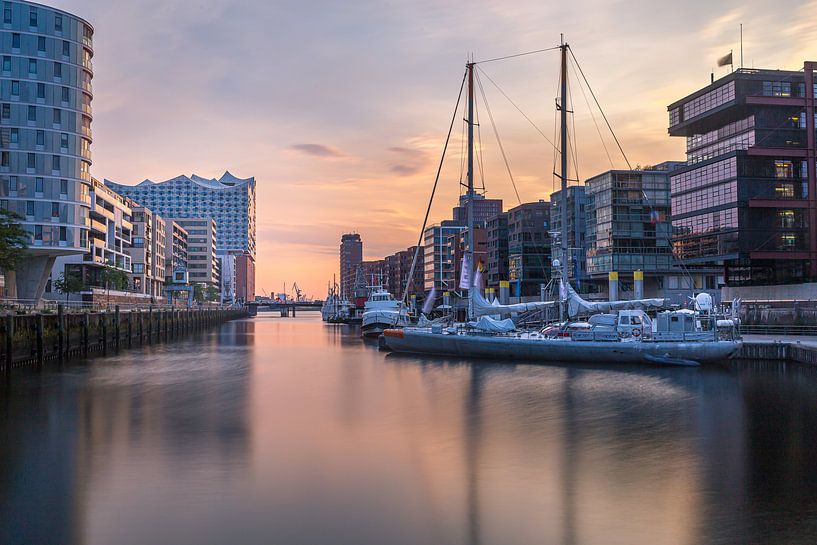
[[563, 149], [469, 241]]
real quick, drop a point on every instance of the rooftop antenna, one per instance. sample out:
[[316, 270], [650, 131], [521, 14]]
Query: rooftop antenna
[[741, 46]]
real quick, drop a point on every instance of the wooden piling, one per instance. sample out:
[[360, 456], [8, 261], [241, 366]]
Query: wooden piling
[[39, 334]]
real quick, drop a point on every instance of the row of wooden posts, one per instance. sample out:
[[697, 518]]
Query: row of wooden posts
[[31, 339]]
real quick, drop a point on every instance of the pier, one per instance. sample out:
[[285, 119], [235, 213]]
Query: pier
[[32, 339]]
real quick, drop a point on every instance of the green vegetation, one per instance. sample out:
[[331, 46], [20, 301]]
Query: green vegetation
[[13, 239], [68, 284]]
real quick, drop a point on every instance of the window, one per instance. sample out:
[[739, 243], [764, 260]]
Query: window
[[32, 113], [41, 138], [64, 141], [32, 17], [777, 88], [63, 187], [65, 95], [55, 209], [55, 163], [29, 208], [15, 88], [38, 232], [63, 234], [138, 268], [5, 161], [6, 111], [57, 70], [38, 185], [783, 169], [58, 23], [41, 44], [66, 48], [14, 136], [32, 66], [41, 91], [32, 161], [57, 116], [6, 64], [15, 41], [7, 15]]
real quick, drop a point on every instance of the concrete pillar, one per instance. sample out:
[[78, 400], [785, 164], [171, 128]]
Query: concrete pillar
[[446, 298], [638, 277], [504, 292], [612, 279], [31, 277], [489, 294]]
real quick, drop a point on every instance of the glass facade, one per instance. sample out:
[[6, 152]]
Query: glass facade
[[45, 138]]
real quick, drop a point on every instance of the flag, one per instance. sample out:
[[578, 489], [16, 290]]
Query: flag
[[726, 59], [465, 273], [654, 217], [478, 277], [428, 305]]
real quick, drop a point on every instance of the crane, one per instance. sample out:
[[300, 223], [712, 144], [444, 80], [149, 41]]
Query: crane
[[298, 292]]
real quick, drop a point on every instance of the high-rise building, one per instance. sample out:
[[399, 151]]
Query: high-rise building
[[45, 141], [351, 256], [483, 209], [497, 259], [745, 206], [576, 229], [148, 252], [528, 247], [202, 262], [244, 278], [438, 262], [229, 200]]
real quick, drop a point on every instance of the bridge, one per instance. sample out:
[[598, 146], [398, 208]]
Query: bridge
[[286, 309]]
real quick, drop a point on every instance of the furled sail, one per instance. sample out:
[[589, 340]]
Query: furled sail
[[482, 307], [576, 305]]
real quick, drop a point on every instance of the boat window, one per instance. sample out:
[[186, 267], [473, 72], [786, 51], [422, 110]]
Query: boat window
[[636, 320]]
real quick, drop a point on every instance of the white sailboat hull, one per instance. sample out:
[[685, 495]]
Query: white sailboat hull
[[560, 350]]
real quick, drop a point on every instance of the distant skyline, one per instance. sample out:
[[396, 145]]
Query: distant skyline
[[339, 109]]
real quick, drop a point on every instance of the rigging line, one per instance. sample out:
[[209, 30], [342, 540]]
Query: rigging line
[[479, 153], [517, 55], [603, 115], [574, 140], [498, 139], [593, 117], [433, 191], [548, 140]]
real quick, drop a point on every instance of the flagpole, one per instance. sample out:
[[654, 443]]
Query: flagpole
[[741, 46]]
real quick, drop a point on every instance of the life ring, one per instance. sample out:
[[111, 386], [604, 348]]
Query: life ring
[[637, 332]]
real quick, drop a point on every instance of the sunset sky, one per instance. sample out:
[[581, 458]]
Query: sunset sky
[[339, 108]]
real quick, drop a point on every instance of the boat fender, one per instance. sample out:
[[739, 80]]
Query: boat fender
[[637, 332], [622, 334], [397, 333]]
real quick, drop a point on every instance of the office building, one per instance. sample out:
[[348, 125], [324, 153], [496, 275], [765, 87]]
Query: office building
[[202, 262], [483, 209], [496, 266], [576, 230], [45, 136], [397, 269], [351, 256], [244, 278], [745, 206], [528, 248], [148, 253], [438, 262]]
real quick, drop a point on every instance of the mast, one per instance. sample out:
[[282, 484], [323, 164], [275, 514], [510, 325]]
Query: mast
[[469, 241], [563, 149]]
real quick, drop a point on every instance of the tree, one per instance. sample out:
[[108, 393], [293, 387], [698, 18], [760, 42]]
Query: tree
[[68, 284], [113, 278], [211, 293], [198, 293], [13, 240]]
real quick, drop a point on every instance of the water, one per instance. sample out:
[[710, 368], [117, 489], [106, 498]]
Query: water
[[290, 431]]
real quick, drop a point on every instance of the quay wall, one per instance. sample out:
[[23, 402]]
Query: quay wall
[[777, 351], [32, 339]]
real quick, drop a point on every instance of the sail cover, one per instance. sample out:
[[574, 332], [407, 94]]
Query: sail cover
[[482, 307], [486, 323], [576, 305]]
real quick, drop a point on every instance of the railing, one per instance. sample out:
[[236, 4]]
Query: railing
[[779, 329]]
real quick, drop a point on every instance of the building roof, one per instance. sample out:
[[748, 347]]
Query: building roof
[[226, 181]]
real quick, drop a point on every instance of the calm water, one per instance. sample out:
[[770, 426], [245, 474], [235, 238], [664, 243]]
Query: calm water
[[290, 431]]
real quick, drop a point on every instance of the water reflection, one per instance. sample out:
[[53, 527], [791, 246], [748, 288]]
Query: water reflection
[[293, 431]]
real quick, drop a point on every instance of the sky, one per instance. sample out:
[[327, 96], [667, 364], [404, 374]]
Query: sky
[[339, 109]]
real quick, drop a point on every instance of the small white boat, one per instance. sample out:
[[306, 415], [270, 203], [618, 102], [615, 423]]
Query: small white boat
[[383, 311]]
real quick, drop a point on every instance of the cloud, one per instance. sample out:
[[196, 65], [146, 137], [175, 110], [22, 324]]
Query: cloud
[[318, 150], [409, 161]]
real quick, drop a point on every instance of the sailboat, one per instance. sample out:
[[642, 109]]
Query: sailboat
[[618, 331]]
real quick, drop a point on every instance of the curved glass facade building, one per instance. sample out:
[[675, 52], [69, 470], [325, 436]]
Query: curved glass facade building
[[45, 133]]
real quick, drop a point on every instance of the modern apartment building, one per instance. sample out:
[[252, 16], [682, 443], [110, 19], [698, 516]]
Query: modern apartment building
[[576, 229], [497, 258], [397, 269], [244, 278], [175, 249], [351, 256], [528, 247], [745, 206], [45, 135], [202, 262], [483, 209], [148, 252], [438, 261]]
